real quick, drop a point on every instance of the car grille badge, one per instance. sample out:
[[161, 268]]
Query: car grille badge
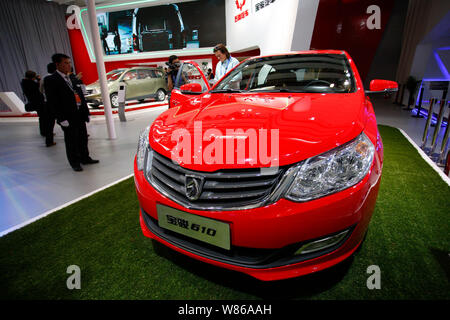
[[193, 187]]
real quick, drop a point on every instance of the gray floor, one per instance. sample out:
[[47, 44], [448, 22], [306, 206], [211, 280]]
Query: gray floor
[[35, 179]]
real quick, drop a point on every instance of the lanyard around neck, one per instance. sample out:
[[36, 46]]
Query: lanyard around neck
[[226, 67], [69, 83]]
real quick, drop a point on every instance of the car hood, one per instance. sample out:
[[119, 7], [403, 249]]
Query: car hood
[[93, 85], [96, 85], [308, 124]]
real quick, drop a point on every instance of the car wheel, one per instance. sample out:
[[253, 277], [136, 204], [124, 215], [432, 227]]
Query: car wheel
[[160, 95], [114, 100]]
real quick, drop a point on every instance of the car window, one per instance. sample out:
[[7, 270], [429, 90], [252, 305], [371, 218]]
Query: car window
[[145, 74], [264, 72], [130, 75], [190, 74], [113, 75], [324, 73]]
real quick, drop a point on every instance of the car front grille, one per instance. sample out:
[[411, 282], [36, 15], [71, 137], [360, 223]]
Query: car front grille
[[232, 189]]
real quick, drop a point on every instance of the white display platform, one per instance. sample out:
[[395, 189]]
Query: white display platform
[[11, 104]]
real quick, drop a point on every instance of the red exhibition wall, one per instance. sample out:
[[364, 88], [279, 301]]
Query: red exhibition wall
[[80, 57], [341, 24], [82, 62]]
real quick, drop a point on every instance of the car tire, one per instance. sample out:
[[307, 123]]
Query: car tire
[[114, 97], [160, 95]]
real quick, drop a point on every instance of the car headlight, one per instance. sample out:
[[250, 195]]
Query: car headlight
[[142, 147], [332, 171], [148, 163]]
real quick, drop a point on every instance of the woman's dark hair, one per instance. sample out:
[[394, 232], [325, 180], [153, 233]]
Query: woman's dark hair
[[220, 47], [30, 74], [51, 67]]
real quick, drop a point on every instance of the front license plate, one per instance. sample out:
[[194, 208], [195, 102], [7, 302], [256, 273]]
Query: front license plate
[[204, 229]]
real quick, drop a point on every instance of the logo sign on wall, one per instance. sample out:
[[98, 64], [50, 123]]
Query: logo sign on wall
[[262, 4], [243, 13], [243, 7], [240, 4]]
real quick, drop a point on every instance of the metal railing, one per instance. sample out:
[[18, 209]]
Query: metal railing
[[440, 157]]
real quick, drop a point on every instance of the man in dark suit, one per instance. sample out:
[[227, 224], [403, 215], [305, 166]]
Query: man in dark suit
[[62, 95], [30, 88]]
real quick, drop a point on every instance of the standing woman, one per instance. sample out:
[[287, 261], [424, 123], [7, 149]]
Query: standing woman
[[226, 61], [48, 110], [30, 87]]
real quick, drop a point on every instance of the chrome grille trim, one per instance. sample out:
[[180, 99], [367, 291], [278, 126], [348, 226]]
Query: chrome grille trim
[[227, 189]]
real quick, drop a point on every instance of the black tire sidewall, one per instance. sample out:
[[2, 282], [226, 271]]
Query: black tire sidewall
[[157, 94], [110, 98]]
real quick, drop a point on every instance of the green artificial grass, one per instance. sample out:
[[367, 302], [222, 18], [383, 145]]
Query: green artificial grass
[[408, 239]]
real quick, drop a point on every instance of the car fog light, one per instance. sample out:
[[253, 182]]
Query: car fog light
[[322, 244]]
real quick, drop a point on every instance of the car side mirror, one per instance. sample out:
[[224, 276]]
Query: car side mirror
[[382, 86], [191, 88]]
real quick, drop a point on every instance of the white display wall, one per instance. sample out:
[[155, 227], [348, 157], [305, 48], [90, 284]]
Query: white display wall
[[271, 25]]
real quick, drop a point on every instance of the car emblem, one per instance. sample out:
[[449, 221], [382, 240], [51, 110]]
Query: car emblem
[[193, 187]]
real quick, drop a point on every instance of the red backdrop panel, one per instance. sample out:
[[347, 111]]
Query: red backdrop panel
[[342, 25]]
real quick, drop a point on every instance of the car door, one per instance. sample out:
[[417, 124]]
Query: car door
[[189, 72], [132, 82], [160, 81], [146, 83]]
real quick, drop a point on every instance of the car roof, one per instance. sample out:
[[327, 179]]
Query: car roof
[[303, 52], [134, 68], [145, 68]]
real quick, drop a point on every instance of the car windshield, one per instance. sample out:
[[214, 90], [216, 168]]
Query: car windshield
[[113, 75], [321, 73]]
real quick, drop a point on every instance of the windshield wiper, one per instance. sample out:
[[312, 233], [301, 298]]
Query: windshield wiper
[[279, 90], [225, 91]]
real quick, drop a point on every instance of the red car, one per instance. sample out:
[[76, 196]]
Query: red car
[[209, 189]]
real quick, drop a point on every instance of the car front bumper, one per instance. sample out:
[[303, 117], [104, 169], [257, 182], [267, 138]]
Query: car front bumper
[[95, 99], [263, 240]]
